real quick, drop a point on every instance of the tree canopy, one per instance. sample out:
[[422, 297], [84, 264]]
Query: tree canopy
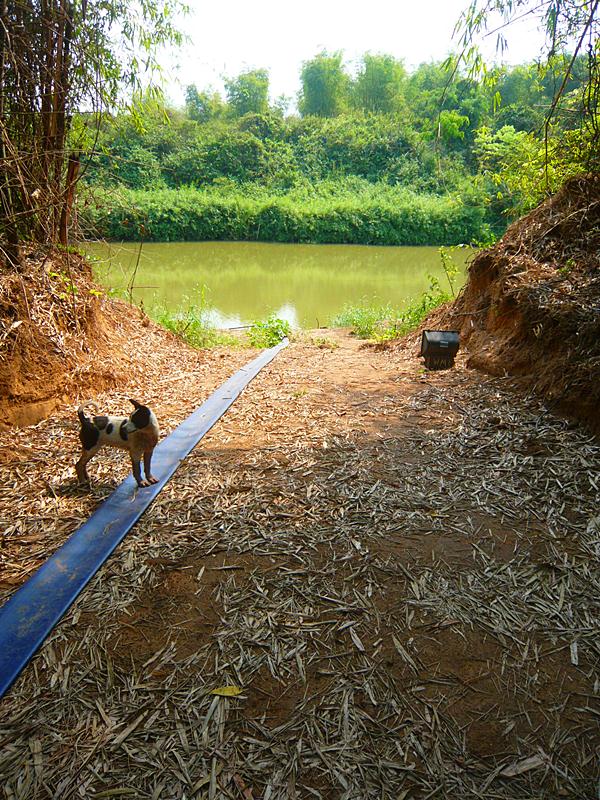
[[249, 92], [378, 86], [65, 64], [488, 155], [325, 86]]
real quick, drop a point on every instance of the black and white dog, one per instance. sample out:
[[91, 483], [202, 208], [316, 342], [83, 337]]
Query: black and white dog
[[137, 433]]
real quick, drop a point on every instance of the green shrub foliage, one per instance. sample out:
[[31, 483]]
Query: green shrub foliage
[[382, 215], [385, 157], [269, 332]]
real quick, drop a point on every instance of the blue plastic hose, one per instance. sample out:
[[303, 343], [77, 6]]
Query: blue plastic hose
[[31, 613]]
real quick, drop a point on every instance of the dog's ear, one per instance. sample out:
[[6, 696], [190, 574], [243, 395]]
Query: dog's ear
[[135, 403]]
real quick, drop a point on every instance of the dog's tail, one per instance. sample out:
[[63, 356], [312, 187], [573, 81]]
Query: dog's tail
[[80, 411]]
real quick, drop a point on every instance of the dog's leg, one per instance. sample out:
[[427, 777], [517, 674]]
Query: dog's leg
[[82, 476], [135, 468], [147, 467]]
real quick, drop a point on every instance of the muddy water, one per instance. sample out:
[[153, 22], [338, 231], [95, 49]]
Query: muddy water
[[244, 281]]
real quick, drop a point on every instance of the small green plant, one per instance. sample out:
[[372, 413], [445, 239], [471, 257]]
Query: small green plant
[[363, 318], [324, 343], [269, 332], [193, 324], [68, 285], [449, 266], [567, 267], [193, 327], [411, 316], [118, 292]]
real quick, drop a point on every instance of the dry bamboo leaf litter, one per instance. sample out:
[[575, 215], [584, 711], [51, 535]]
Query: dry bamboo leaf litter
[[394, 569]]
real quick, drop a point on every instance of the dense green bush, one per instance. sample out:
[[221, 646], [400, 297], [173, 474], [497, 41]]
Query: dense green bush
[[386, 157], [271, 151], [381, 215]]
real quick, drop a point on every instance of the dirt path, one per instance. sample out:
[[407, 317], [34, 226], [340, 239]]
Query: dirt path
[[398, 570]]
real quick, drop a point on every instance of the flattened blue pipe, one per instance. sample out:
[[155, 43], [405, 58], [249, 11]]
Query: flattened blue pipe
[[31, 613]]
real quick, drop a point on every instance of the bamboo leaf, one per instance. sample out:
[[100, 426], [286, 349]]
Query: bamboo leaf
[[227, 691]]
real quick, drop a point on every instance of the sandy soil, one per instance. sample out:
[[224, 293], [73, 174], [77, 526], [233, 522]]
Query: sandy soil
[[396, 570]]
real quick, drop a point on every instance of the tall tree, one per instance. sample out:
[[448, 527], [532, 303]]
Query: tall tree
[[58, 57], [325, 86], [202, 106], [378, 85], [249, 92]]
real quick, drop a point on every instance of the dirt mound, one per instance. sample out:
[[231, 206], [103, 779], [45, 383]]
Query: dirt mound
[[58, 336], [531, 306]]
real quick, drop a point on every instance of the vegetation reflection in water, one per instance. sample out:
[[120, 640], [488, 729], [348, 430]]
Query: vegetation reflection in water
[[243, 281]]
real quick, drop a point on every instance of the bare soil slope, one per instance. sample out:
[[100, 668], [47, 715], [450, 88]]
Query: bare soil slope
[[62, 338], [531, 307]]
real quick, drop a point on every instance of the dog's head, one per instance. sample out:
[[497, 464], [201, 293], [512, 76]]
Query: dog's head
[[141, 416]]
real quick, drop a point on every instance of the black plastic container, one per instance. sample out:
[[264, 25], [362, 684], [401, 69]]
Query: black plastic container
[[439, 348]]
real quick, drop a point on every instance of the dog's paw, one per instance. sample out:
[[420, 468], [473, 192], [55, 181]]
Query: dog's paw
[[147, 482]]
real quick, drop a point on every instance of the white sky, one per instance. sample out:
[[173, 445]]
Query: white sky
[[230, 37]]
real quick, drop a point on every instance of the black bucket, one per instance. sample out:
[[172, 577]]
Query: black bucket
[[439, 348]]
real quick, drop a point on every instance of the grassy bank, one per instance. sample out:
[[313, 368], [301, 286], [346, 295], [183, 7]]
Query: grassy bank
[[367, 321], [192, 323], [382, 215], [386, 322]]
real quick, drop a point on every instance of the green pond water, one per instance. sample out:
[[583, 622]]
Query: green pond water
[[244, 281]]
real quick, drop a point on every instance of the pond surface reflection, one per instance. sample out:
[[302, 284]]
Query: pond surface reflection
[[244, 281]]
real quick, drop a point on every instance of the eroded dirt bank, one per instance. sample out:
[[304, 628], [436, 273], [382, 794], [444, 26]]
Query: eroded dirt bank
[[531, 305], [398, 570]]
